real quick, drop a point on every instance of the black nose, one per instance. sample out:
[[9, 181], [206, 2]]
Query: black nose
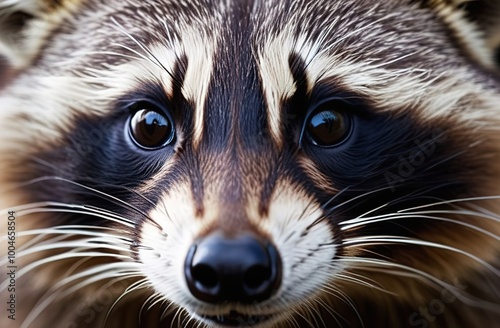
[[241, 269]]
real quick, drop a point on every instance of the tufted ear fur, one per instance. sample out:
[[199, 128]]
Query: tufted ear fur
[[485, 14], [475, 24], [24, 25]]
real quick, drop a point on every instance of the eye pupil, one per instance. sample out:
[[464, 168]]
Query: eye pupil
[[328, 127], [151, 129]]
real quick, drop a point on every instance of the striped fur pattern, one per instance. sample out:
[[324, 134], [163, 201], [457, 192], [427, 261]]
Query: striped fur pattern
[[398, 226]]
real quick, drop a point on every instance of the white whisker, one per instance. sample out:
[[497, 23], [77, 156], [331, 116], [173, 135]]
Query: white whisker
[[94, 190], [152, 301], [133, 287], [451, 201], [108, 217], [151, 57], [390, 217], [82, 244], [107, 273], [337, 293], [407, 271], [350, 200], [60, 257], [53, 293], [361, 282], [375, 240]]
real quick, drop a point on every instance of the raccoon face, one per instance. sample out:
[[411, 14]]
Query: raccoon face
[[252, 163]]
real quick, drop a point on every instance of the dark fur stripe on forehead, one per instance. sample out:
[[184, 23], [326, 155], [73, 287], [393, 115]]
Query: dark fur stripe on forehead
[[235, 110]]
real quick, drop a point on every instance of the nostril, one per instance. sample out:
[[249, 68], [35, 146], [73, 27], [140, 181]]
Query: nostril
[[256, 276], [205, 275]]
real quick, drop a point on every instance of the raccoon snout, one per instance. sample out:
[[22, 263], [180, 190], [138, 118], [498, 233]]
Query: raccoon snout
[[242, 269]]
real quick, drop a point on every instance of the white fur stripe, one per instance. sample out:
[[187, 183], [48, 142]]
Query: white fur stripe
[[199, 50], [277, 80]]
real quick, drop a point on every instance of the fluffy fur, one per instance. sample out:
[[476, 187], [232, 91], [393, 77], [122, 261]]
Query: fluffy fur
[[398, 226]]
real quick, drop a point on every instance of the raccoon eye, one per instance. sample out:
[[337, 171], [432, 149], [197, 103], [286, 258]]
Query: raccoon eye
[[151, 129], [328, 126]]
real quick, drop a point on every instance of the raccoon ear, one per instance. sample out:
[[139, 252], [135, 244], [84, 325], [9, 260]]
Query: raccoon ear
[[25, 24], [485, 14]]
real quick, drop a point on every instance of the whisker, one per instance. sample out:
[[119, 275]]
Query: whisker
[[373, 240], [347, 225], [133, 287], [177, 316], [113, 218], [337, 293], [451, 201], [96, 191], [375, 265], [48, 298], [313, 313], [350, 200], [493, 217], [363, 283], [75, 245], [70, 230], [153, 299], [112, 270], [156, 61], [40, 239], [327, 203], [59, 257]]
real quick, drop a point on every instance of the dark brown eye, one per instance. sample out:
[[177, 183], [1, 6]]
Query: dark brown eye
[[150, 129], [328, 127]]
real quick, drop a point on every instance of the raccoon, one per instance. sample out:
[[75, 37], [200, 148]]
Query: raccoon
[[267, 163]]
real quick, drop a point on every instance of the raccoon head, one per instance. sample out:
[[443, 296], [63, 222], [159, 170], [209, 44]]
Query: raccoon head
[[252, 162]]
